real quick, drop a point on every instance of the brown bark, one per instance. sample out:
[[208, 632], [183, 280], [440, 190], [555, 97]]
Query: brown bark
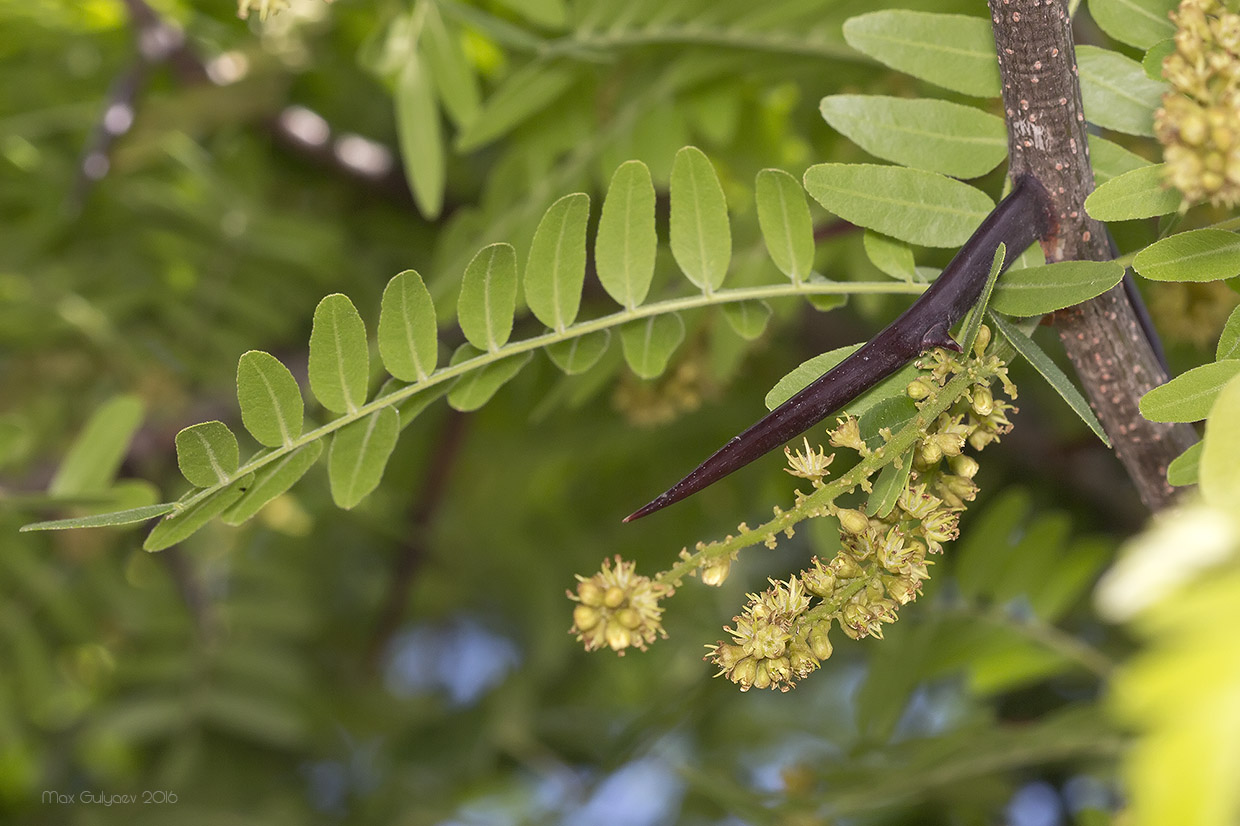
[[1047, 139]]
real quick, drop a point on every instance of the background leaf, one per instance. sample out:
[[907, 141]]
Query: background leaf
[[207, 454], [909, 204], [270, 400], [1220, 452], [579, 353], [408, 335], [1135, 194], [488, 297], [96, 454], [701, 237], [1116, 92], [950, 50], [1196, 255], [787, 227], [1110, 160], [893, 257], [1184, 469], [339, 364], [359, 455], [1229, 338], [474, 389], [625, 246], [526, 92], [421, 139], [556, 268], [935, 135], [1050, 371], [1140, 23], [1189, 396], [447, 64], [747, 318], [1039, 290], [650, 342]]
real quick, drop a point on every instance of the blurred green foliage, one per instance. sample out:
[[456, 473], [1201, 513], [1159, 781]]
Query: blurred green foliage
[[407, 661]]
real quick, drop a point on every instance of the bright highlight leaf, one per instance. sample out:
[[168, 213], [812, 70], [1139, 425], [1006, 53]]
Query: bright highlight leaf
[[701, 237], [556, 269], [488, 297], [624, 248], [270, 400], [207, 454], [339, 356]]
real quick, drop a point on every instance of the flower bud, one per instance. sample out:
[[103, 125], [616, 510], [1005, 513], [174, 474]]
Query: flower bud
[[618, 637], [613, 597], [628, 618], [744, 673], [585, 617], [727, 656], [852, 521], [818, 580], [918, 389], [982, 341], [949, 444], [845, 567], [589, 593], [762, 676], [819, 644], [930, 452], [965, 466], [716, 572], [983, 400]]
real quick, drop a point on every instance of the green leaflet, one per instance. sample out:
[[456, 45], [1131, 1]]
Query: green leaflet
[[339, 356], [1140, 23], [408, 335], [973, 321], [452, 72], [579, 354], [1196, 255], [96, 454], [556, 268], [103, 520], [807, 371], [626, 243], [892, 257], [525, 93], [909, 204], [420, 137], [935, 135], [359, 454], [1110, 160], [1135, 194], [207, 454], [475, 388], [890, 483], [1185, 468], [1220, 484], [950, 50], [787, 227], [650, 342], [1152, 63], [1050, 371], [1229, 339], [1189, 396], [747, 318], [1116, 92], [488, 297], [1039, 290], [270, 400], [180, 525], [701, 238], [891, 414], [272, 480]]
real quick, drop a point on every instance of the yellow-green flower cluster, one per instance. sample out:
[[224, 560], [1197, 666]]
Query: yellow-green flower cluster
[[1199, 122], [782, 635], [775, 641], [618, 608]]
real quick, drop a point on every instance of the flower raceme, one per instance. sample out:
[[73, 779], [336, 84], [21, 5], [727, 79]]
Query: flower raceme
[[782, 634]]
